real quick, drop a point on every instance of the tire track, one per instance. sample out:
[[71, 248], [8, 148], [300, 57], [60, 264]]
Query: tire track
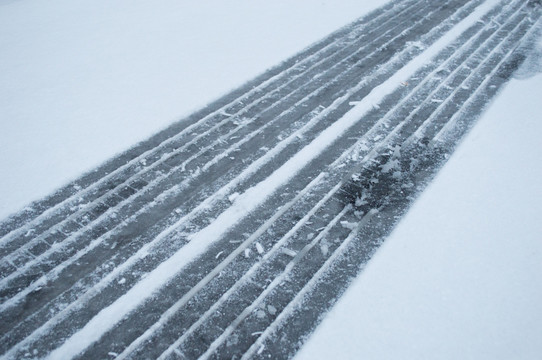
[[118, 184], [37, 208], [108, 222], [185, 275], [36, 285]]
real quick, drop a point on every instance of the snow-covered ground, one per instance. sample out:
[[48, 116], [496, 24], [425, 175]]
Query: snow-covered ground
[[83, 80], [459, 278]]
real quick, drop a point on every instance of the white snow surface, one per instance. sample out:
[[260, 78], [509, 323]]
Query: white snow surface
[[459, 278], [81, 81]]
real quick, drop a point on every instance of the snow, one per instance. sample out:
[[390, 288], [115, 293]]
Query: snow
[[459, 277], [81, 81], [259, 248]]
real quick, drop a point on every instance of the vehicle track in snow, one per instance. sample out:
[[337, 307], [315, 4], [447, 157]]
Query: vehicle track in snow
[[231, 233]]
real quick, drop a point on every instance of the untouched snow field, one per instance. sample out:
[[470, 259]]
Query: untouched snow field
[[83, 80], [459, 278]]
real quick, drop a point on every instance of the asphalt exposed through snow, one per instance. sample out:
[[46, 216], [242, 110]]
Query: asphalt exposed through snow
[[261, 284]]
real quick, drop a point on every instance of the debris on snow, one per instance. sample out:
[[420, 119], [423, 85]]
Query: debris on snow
[[271, 309], [391, 164], [349, 225], [324, 248], [223, 112], [360, 201], [259, 248], [288, 252], [233, 196], [397, 152], [417, 44]]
